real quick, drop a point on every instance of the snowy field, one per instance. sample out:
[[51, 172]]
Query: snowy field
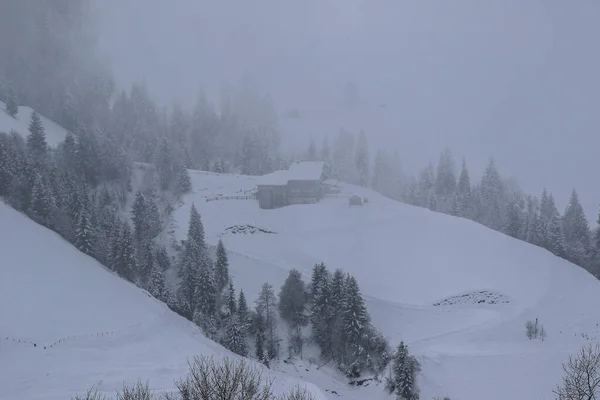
[[458, 293], [20, 124], [67, 323]]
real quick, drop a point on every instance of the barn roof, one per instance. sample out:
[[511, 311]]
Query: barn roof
[[298, 171], [306, 170], [276, 178]]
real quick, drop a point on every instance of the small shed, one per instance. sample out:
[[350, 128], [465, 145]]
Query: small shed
[[355, 200], [272, 190]]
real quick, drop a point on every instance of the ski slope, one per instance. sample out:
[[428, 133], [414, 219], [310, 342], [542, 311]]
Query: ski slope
[[20, 124], [487, 285], [67, 323]]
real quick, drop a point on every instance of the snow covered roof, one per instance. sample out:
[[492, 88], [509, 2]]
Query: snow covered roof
[[298, 171], [306, 170], [275, 178]]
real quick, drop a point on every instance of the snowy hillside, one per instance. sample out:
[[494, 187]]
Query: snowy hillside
[[458, 293], [66, 323], [54, 132]]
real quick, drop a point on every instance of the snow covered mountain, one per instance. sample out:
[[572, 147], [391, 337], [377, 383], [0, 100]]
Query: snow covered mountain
[[458, 293], [67, 323]]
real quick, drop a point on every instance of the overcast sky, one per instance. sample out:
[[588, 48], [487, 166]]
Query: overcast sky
[[516, 79]]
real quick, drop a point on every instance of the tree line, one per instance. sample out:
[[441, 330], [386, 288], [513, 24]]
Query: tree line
[[494, 201]]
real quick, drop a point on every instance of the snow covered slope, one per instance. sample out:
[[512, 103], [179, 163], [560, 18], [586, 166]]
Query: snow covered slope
[[458, 293], [67, 323], [54, 132]]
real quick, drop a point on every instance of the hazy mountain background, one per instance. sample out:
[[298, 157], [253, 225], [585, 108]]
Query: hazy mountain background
[[514, 79]]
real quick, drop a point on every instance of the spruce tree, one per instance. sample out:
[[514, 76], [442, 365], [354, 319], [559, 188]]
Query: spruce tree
[[445, 181], [157, 285], [164, 165], [36, 139], [231, 300], [356, 320], [311, 153], [266, 306], [163, 259], [320, 317], [491, 196], [126, 264], [41, 202], [183, 181], [514, 220], [404, 372], [84, 238], [336, 307], [221, 267], [206, 293], [576, 231], [235, 337], [292, 300], [362, 159], [12, 107]]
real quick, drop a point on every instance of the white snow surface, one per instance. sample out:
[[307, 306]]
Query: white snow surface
[[406, 259], [97, 329], [20, 124]]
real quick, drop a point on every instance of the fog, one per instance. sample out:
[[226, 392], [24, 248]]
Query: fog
[[517, 80]]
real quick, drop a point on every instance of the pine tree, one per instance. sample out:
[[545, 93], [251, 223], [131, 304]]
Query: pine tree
[[259, 330], [126, 264], [356, 319], [221, 267], [147, 263], [445, 182], [325, 151], [36, 140], [292, 300], [84, 238], [41, 202], [311, 153], [576, 231], [235, 337], [266, 306], [491, 197], [242, 308], [164, 165], [320, 318], [231, 300], [163, 259], [556, 239], [157, 286], [425, 186], [404, 372], [12, 107], [595, 257], [337, 306], [514, 219], [184, 182], [206, 293], [362, 159]]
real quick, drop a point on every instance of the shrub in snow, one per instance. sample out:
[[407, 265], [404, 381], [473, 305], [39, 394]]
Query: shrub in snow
[[582, 375], [535, 330], [208, 379]]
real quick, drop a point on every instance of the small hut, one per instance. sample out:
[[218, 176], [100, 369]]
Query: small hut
[[355, 200]]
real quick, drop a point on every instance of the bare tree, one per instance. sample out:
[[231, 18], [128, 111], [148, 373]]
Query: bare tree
[[582, 375]]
